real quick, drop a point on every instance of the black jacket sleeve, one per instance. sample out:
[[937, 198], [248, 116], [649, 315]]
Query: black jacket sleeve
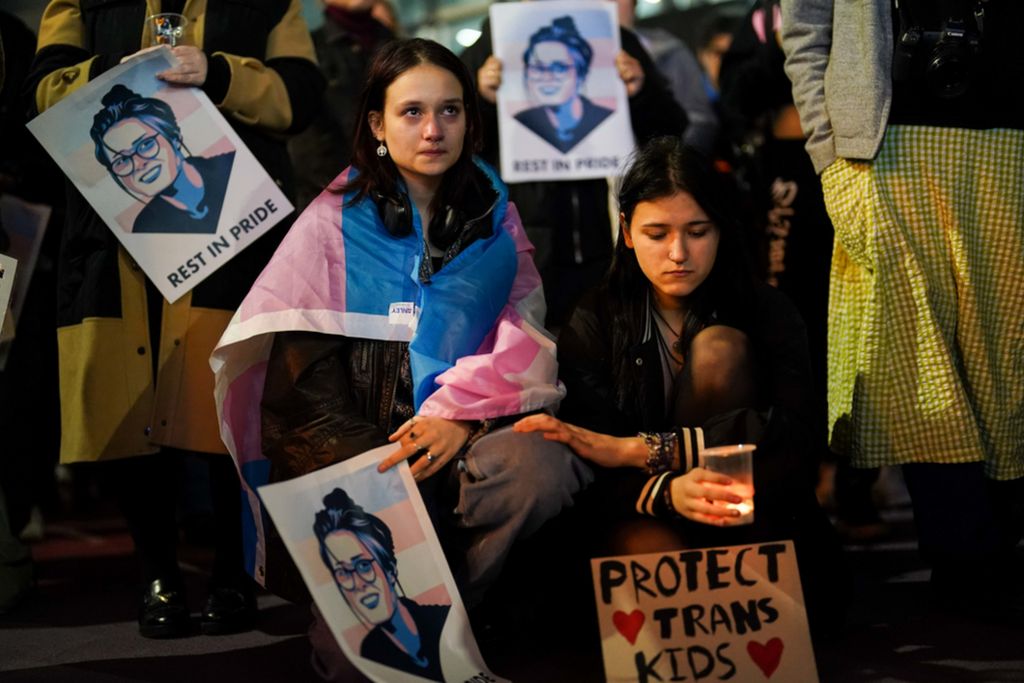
[[474, 57], [654, 110], [584, 365]]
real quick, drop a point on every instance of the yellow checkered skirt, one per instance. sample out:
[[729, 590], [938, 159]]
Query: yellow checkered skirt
[[926, 308]]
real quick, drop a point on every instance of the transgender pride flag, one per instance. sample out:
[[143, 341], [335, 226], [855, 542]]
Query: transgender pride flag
[[476, 342]]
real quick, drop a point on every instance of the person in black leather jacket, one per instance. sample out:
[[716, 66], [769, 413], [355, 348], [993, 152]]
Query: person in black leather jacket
[[568, 220], [680, 345]]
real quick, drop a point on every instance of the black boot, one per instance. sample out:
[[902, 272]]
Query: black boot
[[229, 608]]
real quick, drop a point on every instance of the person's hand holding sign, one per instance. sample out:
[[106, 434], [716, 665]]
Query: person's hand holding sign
[[436, 439], [631, 73], [192, 67], [488, 79]]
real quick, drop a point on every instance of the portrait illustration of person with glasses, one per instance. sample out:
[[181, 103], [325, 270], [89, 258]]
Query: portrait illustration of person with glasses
[[139, 142], [555, 66], [358, 549]]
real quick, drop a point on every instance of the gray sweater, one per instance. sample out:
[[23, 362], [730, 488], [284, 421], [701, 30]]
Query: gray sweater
[[839, 58]]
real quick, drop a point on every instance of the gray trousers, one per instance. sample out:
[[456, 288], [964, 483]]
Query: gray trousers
[[509, 485]]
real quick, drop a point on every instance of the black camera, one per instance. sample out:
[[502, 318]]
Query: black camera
[[946, 58]]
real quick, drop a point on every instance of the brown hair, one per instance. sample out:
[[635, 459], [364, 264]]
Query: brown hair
[[379, 174]]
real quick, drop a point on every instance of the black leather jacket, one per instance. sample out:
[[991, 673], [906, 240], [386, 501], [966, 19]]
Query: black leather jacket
[[328, 398]]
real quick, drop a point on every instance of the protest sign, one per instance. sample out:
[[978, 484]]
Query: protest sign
[[733, 613], [7, 317], [366, 548], [163, 169], [7, 267], [563, 112], [25, 226]]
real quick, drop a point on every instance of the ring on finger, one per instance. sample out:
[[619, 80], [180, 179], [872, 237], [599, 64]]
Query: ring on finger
[[430, 456]]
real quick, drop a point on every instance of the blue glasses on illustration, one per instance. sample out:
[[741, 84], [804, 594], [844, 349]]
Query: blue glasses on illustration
[[123, 164], [346, 576], [558, 70]]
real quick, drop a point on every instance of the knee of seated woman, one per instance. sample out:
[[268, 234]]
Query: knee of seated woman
[[719, 349], [539, 466]]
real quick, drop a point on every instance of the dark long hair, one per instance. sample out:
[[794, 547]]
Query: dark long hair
[[379, 174], [660, 169]]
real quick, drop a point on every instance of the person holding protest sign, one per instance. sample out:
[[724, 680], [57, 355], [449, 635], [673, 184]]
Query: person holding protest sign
[[416, 320], [568, 220], [135, 382], [679, 349]]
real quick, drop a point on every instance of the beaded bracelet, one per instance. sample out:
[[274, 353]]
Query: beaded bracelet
[[661, 448]]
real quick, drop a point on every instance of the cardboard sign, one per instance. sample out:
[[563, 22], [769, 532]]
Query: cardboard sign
[[563, 112], [369, 555], [163, 169], [713, 614]]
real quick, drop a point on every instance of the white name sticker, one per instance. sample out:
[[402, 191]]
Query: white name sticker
[[402, 313]]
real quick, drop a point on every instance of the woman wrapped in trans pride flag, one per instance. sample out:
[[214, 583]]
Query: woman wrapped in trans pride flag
[[367, 327]]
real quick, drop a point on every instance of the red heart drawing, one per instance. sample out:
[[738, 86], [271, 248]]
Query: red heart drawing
[[767, 656], [629, 625]]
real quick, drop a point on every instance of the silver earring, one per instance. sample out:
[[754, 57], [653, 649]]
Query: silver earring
[[382, 151]]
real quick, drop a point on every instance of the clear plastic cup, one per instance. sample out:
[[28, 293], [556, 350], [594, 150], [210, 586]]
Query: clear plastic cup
[[737, 463], [168, 28]]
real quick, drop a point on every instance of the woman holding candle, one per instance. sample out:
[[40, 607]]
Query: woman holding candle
[[679, 349]]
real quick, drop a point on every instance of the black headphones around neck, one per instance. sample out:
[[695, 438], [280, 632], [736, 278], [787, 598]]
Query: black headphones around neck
[[396, 214]]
